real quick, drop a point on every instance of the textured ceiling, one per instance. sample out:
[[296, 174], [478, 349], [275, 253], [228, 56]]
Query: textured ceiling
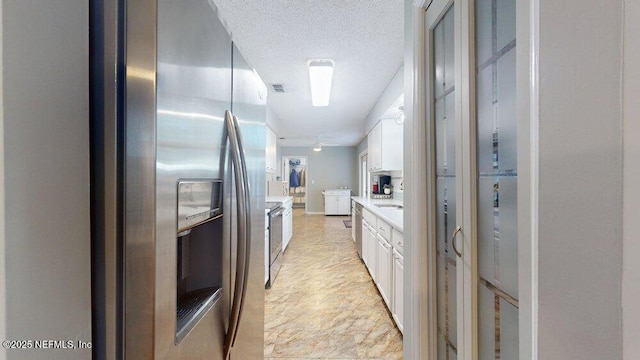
[[278, 37]]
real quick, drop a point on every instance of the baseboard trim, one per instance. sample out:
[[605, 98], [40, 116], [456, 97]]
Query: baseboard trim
[[315, 212]]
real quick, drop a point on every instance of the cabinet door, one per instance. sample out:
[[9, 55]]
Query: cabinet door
[[287, 232], [398, 268], [391, 145], [330, 205], [373, 251], [270, 151], [290, 224], [374, 143], [343, 204], [365, 242], [383, 270], [353, 225]]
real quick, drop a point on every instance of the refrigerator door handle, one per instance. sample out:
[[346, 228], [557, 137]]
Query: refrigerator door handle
[[241, 194], [247, 213]]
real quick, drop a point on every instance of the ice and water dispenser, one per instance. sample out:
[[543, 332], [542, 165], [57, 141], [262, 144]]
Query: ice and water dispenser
[[199, 251]]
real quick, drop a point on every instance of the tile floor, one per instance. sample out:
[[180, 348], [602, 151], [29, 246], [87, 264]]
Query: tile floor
[[324, 304]]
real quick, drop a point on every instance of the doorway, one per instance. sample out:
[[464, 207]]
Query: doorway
[[295, 171], [365, 178]]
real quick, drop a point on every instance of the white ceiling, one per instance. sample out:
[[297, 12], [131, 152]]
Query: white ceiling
[[278, 37]]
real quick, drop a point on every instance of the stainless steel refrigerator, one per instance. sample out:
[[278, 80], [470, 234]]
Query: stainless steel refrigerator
[[178, 185]]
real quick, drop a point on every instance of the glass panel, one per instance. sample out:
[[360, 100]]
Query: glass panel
[[453, 318], [483, 30], [486, 125], [444, 102], [449, 51], [486, 325], [450, 224], [508, 260], [497, 180], [450, 129], [441, 136], [506, 97], [506, 28], [486, 225], [438, 60], [508, 331]]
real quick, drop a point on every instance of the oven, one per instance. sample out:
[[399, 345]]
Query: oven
[[275, 243]]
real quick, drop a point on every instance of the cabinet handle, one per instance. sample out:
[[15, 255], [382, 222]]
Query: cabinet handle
[[383, 230], [453, 241], [400, 244]]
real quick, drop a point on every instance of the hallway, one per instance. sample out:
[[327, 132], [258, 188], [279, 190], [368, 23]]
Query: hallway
[[324, 305]]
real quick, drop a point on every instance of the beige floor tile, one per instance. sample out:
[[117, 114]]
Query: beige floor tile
[[324, 304]]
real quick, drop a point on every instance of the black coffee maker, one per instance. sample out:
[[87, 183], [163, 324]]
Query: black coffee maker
[[384, 180]]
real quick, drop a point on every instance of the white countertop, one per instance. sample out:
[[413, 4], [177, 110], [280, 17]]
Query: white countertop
[[278, 199], [392, 216]]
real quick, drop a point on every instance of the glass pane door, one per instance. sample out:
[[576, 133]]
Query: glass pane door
[[474, 183], [497, 175], [443, 99]]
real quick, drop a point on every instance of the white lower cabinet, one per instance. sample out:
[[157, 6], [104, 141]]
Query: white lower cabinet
[[287, 228], [373, 253], [365, 242], [353, 221], [337, 202], [383, 269], [382, 249], [287, 224], [398, 271]]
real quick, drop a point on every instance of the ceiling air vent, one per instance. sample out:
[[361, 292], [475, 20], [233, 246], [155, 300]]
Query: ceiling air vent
[[279, 88]]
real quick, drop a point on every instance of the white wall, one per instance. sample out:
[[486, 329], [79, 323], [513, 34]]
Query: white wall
[[631, 187], [331, 168], [580, 180], [273, 121], [391, 93], [46, 174]]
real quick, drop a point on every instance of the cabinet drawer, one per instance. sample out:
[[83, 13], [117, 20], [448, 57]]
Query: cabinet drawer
[[398, 241], [371, 219], [383, 229]]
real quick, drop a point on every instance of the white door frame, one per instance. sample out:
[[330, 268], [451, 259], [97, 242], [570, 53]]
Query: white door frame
[[286, 177], [360, 174]]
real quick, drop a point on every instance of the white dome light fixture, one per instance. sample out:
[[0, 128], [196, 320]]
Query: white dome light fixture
[[320, 77], [317, 146]]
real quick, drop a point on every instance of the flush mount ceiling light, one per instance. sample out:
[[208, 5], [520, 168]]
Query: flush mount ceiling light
[[317, 146], [320, 76]]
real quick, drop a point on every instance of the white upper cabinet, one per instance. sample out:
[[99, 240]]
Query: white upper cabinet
[[270, 151], [385, 146]]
